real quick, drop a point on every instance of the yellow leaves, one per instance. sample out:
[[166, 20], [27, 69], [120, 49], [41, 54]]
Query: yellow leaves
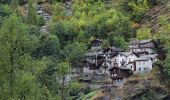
[[134, 25]]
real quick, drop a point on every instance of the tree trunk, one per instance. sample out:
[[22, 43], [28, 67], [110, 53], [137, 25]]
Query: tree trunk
[[11, 75], [62, 90]]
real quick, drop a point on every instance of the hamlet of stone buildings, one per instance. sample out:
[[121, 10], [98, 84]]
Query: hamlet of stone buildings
[[115, 64]]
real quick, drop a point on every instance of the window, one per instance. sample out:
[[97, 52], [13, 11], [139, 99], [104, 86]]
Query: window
[[144, 68], [139, 69], [131, 67], [115, 74]]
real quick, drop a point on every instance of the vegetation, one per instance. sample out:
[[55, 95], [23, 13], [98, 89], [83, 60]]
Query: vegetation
[[34, 65]]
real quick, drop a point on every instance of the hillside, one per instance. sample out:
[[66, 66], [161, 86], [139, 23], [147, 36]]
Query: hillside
[[84, 50], [151, 18]]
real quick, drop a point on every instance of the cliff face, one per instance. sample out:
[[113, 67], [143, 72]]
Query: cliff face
[[151, 18]]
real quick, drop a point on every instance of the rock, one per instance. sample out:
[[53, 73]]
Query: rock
[[136, 89]]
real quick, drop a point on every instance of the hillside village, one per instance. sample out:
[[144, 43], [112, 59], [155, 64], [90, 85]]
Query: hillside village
[[115, 63], [84, 50]]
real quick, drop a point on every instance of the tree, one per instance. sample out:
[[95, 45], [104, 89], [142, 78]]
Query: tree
[[5, 10], [32, 17], [14, 4], [117, 40], [75, 53], [143, 33], [48, 46], [19, 71], [41, 21], [135, 8], [105, 44], [163, 35], [63, 68]]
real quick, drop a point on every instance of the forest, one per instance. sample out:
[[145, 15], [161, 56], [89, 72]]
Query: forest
[[38, 49]]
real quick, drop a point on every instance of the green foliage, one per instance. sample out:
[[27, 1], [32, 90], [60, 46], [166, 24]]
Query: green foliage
[[14, 4], [75, 53], [75, 87], [117, 40], [143, 33], [41, 21], [63, 68], [5, 10], [18, 70], [33, 65], [89, 19], [135, 8], [5, 1], [88, 96], [48, 46], [32, 17], [105, 44], [65, 31], [21, 2], [163, 35]]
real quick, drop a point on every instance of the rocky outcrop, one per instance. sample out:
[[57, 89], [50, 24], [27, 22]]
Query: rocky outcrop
[[138, 88]]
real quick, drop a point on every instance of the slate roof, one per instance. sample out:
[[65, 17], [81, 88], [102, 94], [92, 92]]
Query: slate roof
[[127, 53], [150, 56], [140, 41], [90, 61], [93, 53], [144, 58], [145, 41], [135, 42], [116, 48], [142, 52]]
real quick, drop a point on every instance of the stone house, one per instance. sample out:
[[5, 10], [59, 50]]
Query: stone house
[[142, 45]]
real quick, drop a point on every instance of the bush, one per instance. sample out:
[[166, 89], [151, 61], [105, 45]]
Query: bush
[[75, 88], [41, 21]]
